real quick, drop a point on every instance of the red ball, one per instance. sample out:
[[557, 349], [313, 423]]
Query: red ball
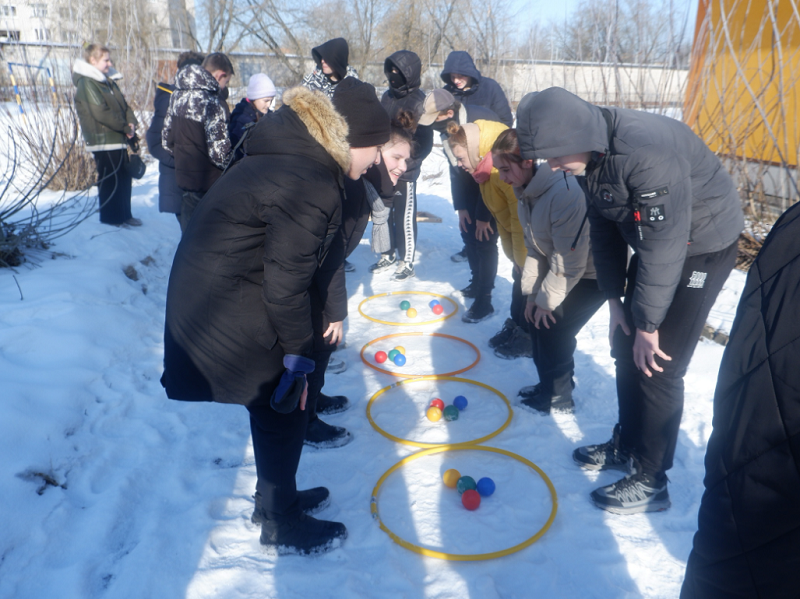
[[437, 309], [381, 357], [471, 499], [438, 403]]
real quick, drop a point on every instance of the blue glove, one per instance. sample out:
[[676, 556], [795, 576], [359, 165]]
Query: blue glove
[[293, 381]]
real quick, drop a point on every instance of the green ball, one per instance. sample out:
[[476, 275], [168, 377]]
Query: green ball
[[392, 354], [451, 413], [405, 305], [465, 483]]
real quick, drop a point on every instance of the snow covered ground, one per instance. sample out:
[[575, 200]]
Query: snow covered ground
[[109, 489]]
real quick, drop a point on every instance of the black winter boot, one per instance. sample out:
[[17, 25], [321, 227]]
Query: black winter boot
[[518, 345], [481, 309], [469, 291], [545, 402], [302, 535], [331, 405], [309, 501], [326, 436], [503, 334]]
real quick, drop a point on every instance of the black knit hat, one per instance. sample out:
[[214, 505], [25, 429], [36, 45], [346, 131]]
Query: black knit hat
[[367, 120]]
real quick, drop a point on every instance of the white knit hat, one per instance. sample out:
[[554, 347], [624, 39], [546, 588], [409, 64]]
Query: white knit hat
[[260, 86]]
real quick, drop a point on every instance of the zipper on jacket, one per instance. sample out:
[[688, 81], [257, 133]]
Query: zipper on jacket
[[637, 218], [580, 230]]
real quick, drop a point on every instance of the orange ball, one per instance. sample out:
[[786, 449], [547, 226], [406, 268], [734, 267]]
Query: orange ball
[[450, 478], [434, 414], [411, 313]]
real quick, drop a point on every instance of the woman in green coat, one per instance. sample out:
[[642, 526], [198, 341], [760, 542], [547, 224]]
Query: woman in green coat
[[107, 123]]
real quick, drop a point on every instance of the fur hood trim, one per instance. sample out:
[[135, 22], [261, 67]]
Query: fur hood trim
[[81, 67], [324, 124]]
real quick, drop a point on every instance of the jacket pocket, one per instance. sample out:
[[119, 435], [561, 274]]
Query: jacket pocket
[[265, 335]]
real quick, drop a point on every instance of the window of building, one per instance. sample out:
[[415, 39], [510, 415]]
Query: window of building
[[42, 35], [39, 10], [8, 11], [7, 34]]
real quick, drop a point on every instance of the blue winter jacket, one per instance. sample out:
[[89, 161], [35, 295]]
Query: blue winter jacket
[[169, 195], [483, 91]]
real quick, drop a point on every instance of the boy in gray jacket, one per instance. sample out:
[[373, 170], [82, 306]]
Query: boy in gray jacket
[[653, 186]]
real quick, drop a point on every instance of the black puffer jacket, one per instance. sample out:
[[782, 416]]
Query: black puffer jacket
[[169, 194], [484, 91], [748, 539], [238, 297], [687, 201], [408, 97], [196, 129], [243, 114]]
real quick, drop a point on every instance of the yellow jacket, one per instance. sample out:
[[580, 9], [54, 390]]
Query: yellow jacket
[[500, 199]]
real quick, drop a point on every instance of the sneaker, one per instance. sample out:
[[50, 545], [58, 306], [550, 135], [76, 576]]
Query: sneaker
[[633, 494], [546, 403], [385, 262], [405, 270], [503, 334], [606, 456], [460, 256], [481, 309], [529, 391], [309, 501], [336, 366], [518, 345], [331, 405], [349, 266], [469, 292], [302, 535], [133, 222], [321, 435]]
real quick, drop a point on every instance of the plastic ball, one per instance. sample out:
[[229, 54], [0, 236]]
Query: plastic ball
[[465, 483], [451, 413], [392, 354], [399, 359], [460, 402], [485, 486], [411, 313], [438, 403], [401, 349], [434, 414], [471, 499], [437, 309], [405, 305], [450, 478], [433, 303], [380, 357]]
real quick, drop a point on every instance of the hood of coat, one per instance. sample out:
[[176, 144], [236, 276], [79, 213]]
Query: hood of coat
[[324, 138], [490, 131], [543, 179], [81, 68], [460, 62], [410, 66], [195, 78], [336, 53], [554, 123]]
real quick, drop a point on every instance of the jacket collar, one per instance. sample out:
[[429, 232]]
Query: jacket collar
[[542, 181], [81, 67]]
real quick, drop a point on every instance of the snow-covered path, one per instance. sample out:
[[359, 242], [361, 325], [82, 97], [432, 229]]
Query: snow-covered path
[[151, 498]]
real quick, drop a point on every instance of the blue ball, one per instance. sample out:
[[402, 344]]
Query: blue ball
[[486, 486], [400, 359], [433, 303], [460, 402]]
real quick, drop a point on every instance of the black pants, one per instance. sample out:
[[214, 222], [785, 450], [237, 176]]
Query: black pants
[[650, 408], [554, 348], [316, 381], [277, 445], [403, 220], [189, 202], [482, 257], [518, 300], [113, 186]]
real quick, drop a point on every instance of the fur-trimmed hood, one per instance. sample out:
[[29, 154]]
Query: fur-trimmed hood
[[325, 126], [81, 68]]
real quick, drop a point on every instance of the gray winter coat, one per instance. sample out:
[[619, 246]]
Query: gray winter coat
[[644, 164], [551, 214]]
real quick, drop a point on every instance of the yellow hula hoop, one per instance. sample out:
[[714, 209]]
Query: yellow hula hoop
[[418, 334], [438, 377], [463, 557], [407, 324]]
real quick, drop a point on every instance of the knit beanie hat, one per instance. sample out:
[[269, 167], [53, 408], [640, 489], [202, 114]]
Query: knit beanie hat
[[367, 120], [260, 86]]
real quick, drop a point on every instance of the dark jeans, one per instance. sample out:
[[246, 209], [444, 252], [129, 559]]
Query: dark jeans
[[277, 444], [189, 202], [316, 381], [482, 257], [650, 408], [518, 300], [403, 220], [554, 348], [113, 186]]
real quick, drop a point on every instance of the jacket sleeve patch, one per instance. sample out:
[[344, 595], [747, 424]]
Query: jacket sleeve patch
[[652, 194], [655, 214]]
